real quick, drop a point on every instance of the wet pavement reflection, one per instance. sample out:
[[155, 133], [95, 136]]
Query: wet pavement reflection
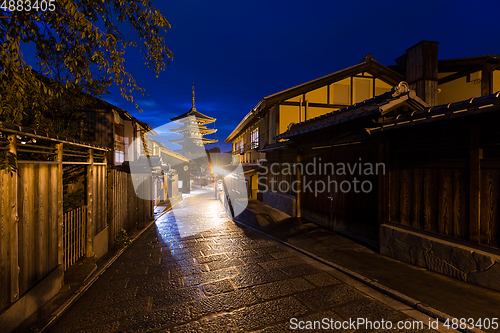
[[195, 270]]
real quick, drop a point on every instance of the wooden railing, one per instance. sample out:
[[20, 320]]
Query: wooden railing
[[75, 227]]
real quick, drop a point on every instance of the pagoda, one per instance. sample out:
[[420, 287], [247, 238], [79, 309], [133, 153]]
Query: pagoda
[[193, 129]]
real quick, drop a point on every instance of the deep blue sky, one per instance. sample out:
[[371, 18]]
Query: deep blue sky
[[237, 52]]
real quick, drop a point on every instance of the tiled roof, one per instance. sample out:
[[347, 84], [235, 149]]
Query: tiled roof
[[380, 104], [193, 112], [467, 107], [272, 146]]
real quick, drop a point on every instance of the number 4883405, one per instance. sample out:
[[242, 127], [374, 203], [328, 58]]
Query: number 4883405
[[28, 5]]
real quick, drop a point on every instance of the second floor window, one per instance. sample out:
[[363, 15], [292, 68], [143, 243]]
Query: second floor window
[[254, 138], [239, 146]]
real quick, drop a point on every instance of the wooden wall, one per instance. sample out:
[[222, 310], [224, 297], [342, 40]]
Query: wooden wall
[[7, 236], [490, 199], [350, 211], [37, 232], [437, 200], [446, 180], [126, 210], [432, 199], [99, 205], [100, 124], [347, 210], [31, 212]]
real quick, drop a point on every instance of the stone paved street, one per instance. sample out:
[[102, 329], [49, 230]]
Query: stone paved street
[[197, 271]]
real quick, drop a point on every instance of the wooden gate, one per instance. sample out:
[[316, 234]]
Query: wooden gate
[[75, 233]]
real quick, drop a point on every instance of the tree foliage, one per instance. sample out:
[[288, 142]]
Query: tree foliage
[[80, 48]]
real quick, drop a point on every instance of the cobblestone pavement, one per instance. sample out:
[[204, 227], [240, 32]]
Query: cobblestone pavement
[[197, 271]]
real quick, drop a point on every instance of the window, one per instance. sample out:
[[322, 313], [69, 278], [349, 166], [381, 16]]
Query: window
[[362, 89], [341, 93], [119, 157], [254, 139], [119, 144], [239, 146]]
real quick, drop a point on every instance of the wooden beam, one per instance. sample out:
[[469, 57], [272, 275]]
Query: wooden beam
[[486, 81], [459, 75], [60, 213], [90, 200], [110, 206], [299, 187], [13, 227], [383, 180], [316, 105], [475, 184]]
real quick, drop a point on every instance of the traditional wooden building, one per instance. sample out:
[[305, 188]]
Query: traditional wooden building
[[274, 114], [397, 170], [116, 129], [337, 163], [438, 201]]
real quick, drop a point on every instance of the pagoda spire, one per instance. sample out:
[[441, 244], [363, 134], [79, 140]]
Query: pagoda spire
[[193, 130], [192, 107]]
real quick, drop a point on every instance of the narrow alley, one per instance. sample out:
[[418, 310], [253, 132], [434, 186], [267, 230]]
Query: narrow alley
[[195, 270]]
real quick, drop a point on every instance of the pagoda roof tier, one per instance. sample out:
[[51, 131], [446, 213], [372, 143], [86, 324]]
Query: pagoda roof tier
[[187, 127], [201, 130], [190, 128], [206, 131], [200, 117], [209, 141], [185, 139], [195, 141]]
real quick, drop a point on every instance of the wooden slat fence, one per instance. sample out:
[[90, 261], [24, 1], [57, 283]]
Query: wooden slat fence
[[32, 241], [431, 199], [37, 228], [75, 227], [100, 190], [6, 230], [437, 200], [125, 209]]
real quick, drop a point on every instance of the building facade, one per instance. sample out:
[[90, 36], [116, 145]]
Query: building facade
[[409, 169]]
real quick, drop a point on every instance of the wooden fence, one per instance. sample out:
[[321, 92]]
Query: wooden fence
[[127, 210], [438, 200], [38, 222], [75, 234], [32, 251], [30, 224], [100, 193]]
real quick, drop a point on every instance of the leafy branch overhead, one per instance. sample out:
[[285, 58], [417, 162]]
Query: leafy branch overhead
[[80, 47], [8, 161]]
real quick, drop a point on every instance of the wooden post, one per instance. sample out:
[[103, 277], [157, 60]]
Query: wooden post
[[299, 186], [165, 185], [475, 184], [90, 201], [110, 206], [486, 81], [13, 227], [383, 193], [60, 217]]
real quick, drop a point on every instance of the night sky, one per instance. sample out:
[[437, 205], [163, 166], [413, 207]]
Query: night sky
[[237, 52]]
